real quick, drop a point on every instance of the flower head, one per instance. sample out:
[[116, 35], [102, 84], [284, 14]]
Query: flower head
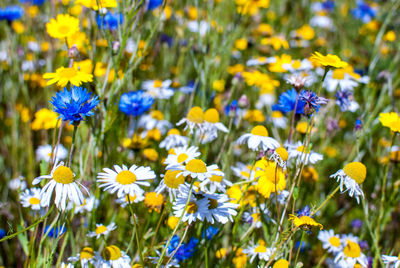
[[62, 27], [135, 103], [63, 76], [328, 60], [74, 105], [109, 21], [304, 222], [311, 102], [287, 102], [11, 13], [390, 120]]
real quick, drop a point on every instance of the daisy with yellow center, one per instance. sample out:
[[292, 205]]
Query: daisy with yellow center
[[243, 171], [304, 222], [62, 27], [196, 168], [44, 152], [158, 89], [112, 256], [64, 184], [88, 205], [214, 183], [219, 207], [85, 257], [154, 120], [254, 216], [271, 178], [278, 119], [390, 120], [102, 230], [31, 198], [174, 139], [181, 156], [260, 251], [193, 120], [125, 181], [129, 199], [351, 254], [63, 76], [171, 181], [330, 241], [351, 176], [258, 140], [391, 261], [197, 209], [301, 154], [280, 157], [328, 60], [211, 126]]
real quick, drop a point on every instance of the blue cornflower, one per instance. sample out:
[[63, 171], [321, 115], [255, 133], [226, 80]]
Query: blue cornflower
[[11, 13], [356, 223], [74, 105], [109, 21], [55, 231], [154, 4], [211, 232], [185, 250], [328, 5], [364, 12], [135, 103], [232, 108], [2, 233], [343, 99], [34, 2], [306, 211], [287, 101], [311, 101]]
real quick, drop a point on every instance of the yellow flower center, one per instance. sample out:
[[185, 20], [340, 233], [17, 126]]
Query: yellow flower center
[[171, 180], [259, 131], [111, 253], [63, 175], [256, 217], [282, 263], [356, 170], [156, 114], [86, 253], [276, 114], [334, 241], [182, 157], [157, 83], [101, 229], [129, 198], [196, 115], [173, 131], [126, 177], [245, 174], [212, 203], [34, 201], [282, 153], [68, 73], [196, 166], [63, 29], [192, 208], [211, 116], [216, 178], [352, 250], [260, 249], [301, 149]]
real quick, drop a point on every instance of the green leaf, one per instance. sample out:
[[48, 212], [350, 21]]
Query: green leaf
[[296, 192]]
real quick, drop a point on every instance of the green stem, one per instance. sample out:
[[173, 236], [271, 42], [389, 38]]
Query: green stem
[[136, 231], [326, 200], [298, 250], [72, 145]]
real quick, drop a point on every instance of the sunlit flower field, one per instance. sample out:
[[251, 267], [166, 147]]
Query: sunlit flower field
[[201, 133]]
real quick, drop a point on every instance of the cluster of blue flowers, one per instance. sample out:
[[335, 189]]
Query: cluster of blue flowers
[[185, 250], [74, 105], [11, 13], [135, 102], [364, 12], [109, 21]]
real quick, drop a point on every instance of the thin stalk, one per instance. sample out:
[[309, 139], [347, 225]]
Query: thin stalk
[[72, 145], [298, 250], [136, 231], [326, 200]]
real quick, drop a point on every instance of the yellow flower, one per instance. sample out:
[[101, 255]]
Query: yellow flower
[[221, 253], [219, 85], [150, 154], [96, 4], [240, 259], [251, 7], [64, 75], [241, 44], [18, 27], [271, 177], [154, 201], [237, 68], [45, 119], [254, 116], [390, 120], [79, 39], [328, 60], [305, 222], [389, 36], [277, 42], [306, 32], [309, 174], [62, 27], [172, 222], [282, 263]]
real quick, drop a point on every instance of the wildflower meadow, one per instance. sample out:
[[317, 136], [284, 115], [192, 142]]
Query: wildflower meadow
[[200, 133]]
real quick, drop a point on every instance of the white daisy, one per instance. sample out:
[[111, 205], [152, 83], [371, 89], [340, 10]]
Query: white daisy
[[193, 120], [351, 176], [351, 254], [198, 27], [102, 230], [85, 257], [64, 184], [254, 216], [330, 241], [211, 124], [260, 61], [125, 200], [31, 198], [219, 207], [214, 183], [260, 251], [258, 139], [174, 139], [88, 205], [125, 181], [280, 157], [171, 181], [196, 209], [154, 120], [43, 152], [243, 171], [297, 151], [391, 261], [112, 256], [278, 119], [181, 156], [158, 89], [17, 183], [196, 168]]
